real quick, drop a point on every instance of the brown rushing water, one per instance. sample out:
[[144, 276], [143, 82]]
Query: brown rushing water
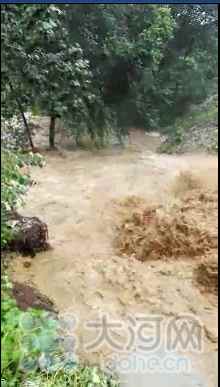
[[75, 195]]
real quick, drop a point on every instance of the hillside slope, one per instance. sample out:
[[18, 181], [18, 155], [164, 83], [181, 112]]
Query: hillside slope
[[196, 131]]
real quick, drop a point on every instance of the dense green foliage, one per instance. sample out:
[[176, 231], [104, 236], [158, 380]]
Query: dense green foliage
[[29, 336], [39, 67], [25, 335], [189, 69], [104, 65]]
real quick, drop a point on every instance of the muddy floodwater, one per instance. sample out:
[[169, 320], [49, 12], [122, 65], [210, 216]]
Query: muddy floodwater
[[76, 194]]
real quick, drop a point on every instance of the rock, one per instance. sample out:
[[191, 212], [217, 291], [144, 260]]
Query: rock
[[30, 235]]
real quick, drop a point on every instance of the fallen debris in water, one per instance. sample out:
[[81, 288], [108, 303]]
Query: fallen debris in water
[[27, 296], [172, 231]]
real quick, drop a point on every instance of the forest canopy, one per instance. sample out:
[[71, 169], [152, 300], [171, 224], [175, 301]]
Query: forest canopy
[[104, 66]]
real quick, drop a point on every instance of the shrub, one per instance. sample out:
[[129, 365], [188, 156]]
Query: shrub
[[14, 184]]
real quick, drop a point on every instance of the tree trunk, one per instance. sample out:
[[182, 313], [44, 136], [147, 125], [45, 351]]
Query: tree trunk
[[23, 117], [27, 129], [52, 132]]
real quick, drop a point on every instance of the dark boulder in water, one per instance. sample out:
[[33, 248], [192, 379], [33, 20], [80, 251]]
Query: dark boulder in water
[[30, 235]]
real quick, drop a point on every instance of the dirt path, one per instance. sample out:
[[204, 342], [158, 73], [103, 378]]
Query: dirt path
[[75, 195]]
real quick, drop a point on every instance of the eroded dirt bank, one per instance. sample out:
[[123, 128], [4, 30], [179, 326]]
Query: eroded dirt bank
[[76, 194]]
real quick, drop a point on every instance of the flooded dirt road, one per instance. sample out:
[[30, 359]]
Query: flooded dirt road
[[76, 195]]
